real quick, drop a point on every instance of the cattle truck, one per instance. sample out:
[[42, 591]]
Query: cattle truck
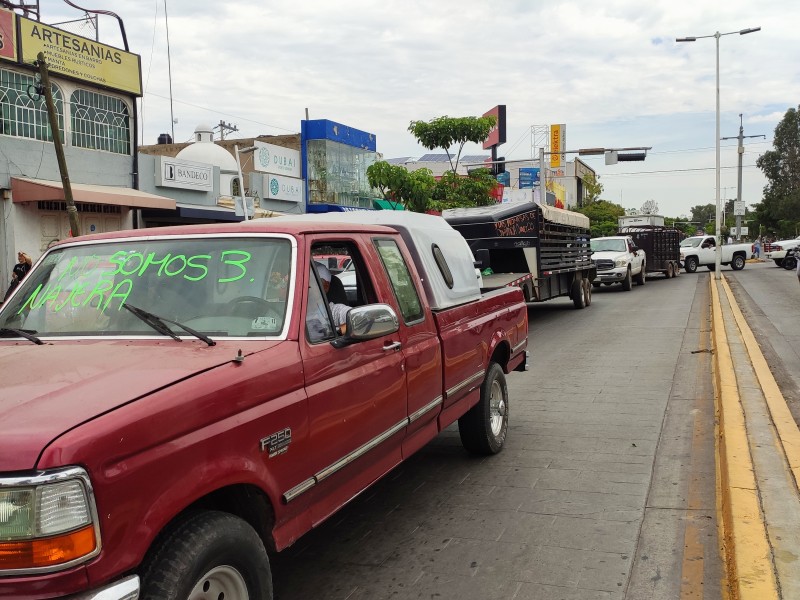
[[662, 245], [543, 250]]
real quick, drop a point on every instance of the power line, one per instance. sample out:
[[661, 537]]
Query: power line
[[670, 171]]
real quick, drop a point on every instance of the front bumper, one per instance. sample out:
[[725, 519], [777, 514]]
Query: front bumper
[[124, 589], [776, 255], [615, 275]]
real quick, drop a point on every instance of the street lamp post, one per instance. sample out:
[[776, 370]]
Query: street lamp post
[[716, 36]]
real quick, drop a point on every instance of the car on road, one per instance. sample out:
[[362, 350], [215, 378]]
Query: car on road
[[618, 260], [777, 251]]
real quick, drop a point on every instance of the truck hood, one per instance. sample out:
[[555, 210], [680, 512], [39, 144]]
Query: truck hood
[[608, 255], [52, 388]]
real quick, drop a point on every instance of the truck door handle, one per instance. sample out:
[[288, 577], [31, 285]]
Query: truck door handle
[[392, 346]]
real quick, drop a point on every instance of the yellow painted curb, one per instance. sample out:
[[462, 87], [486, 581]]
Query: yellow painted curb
[[747, 551], [788, 433]]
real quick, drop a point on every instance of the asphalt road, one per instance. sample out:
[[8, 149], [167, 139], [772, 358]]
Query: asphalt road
[[606, 486]]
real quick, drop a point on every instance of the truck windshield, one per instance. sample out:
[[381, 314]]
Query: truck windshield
[[219, 286], [693, 242], [614, 245]]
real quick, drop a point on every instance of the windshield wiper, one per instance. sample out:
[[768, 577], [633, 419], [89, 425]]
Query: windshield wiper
[[26, 333], [160, 324]]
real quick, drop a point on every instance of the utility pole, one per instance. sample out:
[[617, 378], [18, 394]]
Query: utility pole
[[740, 151], [223, 127], [72, 210]]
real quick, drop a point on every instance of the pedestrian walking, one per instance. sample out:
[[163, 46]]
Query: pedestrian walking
[[21, 269], [757, 248]]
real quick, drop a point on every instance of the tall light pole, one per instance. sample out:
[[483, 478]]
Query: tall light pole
[[716, 36]]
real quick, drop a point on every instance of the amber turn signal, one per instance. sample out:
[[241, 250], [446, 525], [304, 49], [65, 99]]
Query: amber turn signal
[[47, 552]]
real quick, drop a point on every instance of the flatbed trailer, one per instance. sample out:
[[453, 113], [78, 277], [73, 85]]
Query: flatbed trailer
[[541, 249]]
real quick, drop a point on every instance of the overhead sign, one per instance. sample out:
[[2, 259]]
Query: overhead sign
[[497, 135], [289, 189], [80, 58], [8, 35], [558, 141], [184, 175], [269, 158], [528, 176]]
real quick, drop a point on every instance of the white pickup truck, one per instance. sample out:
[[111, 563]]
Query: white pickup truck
[[618, 260], [699, 250]]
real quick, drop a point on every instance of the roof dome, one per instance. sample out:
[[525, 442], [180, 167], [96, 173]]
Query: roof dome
[[204, 150]]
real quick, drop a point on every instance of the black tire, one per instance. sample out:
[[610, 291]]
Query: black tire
[[737, 264], [690, 264], [627, 283], [484, 427], [779, 262], [210, 553], [641, 278], [587, 292], [576, 293], [789, 263]]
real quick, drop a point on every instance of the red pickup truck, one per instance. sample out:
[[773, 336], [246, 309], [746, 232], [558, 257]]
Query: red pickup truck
[[178, 402]]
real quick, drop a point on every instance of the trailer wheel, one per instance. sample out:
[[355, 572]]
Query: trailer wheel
[[627, 283], [484, 427], [208, 555], [577, 295], [670, 271], [587, 292], [690, 264]]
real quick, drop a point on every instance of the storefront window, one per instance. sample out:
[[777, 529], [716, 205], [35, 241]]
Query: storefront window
[[337, 174], [21, 115]]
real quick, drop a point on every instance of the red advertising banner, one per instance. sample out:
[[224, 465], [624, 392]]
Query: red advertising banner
[[497, 135], [8, 35]]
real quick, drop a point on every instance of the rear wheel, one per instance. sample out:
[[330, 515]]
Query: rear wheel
[[208, 555], [484, 427], [737, 264], [690, 264], [641, 277], [587, 292], [577, 294], [670, 272], [627, 283]]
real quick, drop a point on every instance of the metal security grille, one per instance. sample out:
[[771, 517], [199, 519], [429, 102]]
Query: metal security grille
[[84, 208], [604, 264], [21, 115], [100, 122]]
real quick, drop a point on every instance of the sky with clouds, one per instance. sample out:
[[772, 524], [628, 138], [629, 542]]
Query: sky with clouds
[[612, 72]]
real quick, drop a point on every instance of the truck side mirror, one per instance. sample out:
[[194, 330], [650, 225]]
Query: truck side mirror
[[482, 260], [367, 323]]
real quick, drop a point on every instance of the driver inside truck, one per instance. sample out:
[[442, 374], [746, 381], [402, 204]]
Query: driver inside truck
[[709, 243]]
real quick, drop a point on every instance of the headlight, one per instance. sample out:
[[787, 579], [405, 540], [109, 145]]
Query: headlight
[[47, 521], [621, 262]]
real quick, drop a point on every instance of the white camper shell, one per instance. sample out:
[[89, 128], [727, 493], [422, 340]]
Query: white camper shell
[[431, 241]]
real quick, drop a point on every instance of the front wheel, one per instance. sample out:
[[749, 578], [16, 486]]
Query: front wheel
[[789, 263], [690, 264], [737, 264], [484, 427], [208, 555], [627, 283]]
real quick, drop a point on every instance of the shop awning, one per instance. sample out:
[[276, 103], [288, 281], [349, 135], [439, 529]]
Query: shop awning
[[387, 205], [25, 189]]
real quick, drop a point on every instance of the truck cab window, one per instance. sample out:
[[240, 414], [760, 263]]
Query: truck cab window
[[400, 278]]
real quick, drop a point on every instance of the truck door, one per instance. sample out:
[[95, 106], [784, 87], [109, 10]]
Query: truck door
[[356, 393], [421, 345]]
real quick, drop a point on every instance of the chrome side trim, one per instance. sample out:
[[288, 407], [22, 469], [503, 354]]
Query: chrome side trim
[[124, 589], [519, 346], [458, 387], [427, 408], [301, 488], [358, 452], [309, 483]]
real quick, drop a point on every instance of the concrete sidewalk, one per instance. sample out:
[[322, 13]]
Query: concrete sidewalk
[[759, 462]]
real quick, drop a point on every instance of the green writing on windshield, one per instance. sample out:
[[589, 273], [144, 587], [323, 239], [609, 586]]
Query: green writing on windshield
[[99, 282]]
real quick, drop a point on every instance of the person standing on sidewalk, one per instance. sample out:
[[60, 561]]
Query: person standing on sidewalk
[[18, 274]]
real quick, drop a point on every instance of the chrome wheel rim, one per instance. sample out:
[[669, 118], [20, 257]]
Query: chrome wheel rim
[[497, 408], [220, 582]]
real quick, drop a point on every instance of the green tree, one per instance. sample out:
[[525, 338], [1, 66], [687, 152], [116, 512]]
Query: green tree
[[592, 188], [396, 184], [456, 191], [779, 211], [704, 215], [603, 217], [446, 132]]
